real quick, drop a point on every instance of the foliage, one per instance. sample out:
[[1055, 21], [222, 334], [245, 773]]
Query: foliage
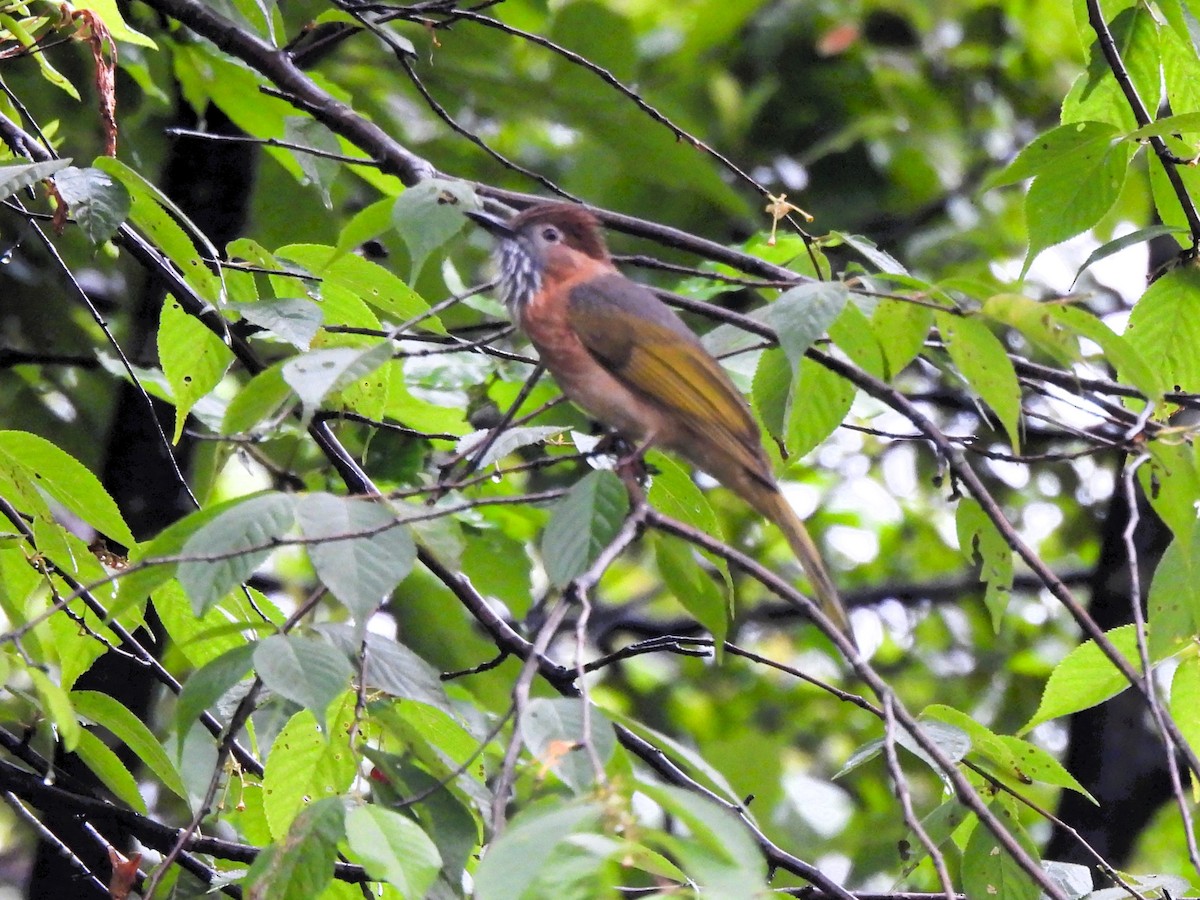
[[412, 633]]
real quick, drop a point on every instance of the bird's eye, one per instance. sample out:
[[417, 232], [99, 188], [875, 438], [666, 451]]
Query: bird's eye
[[550, 234]]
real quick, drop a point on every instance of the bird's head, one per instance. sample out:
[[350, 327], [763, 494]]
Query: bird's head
[[546, 239]]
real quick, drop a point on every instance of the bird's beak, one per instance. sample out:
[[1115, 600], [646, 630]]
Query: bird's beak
[[494, 225]]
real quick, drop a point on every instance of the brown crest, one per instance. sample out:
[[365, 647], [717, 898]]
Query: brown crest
[[581, 230]]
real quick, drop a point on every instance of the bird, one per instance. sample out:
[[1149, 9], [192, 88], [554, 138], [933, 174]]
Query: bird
[[625, 357]]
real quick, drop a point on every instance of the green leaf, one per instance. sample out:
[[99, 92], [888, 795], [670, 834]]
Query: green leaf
[[1056, 149], [1165, 327], [366, 280], [1035, 764], [509, 441], [429, 214], [108, 767], [317, 374], [979, 539], [304, 766], [295, 320], [238, 541], [1069, 198], [1118, 351], [320, 171], [1185, 700], [513, 862], [770, 391], [369, 222], [302, 865], [393, 668], [56, 706], [821, 400], [110, 13], [869, 250], [987, 868], [360, 571], [393, 848], [853, 335], [901, 329], [305, 671], [724, 851], [1036, 324], [194, 360], [1086, 677], [553, 731], [802, 314], [15, 178], [1171, 482], [1116, 245], [166, 225], [581, 525], [97, 203], [1096, 95], [693, 587], [260, 402], [128, 728], [983, 362], [208, 684], [66, 480], [1173, 606]]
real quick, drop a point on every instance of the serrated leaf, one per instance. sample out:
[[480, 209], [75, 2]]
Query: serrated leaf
[[97, 202], [983, 362], [66, 480], [236, 543], [1173, 606], [302, 865], [363, 279], [1117, 350], [295, 320], [107, 766], [989, 871], [1116, 245], [260, 401], [1165, 327], [693, 587], [770, 391], [319, 170], [802, 314], [392, 667], [511, 864], [1068, 199], [317, 374], [427, 215], [978, 538], [304, 766], [194, 360], [1035, 764], [57, 708], [18, 177], [110, 713], [305, 671], [1086, 677], [393, 848], [509, 441], [553, 731], [820, 402], [166, 225], [901, 329], [360, 571], [869, 250], [1185, 700], [209, 683], [1056, 148], [1037, 324], [581, 525]]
